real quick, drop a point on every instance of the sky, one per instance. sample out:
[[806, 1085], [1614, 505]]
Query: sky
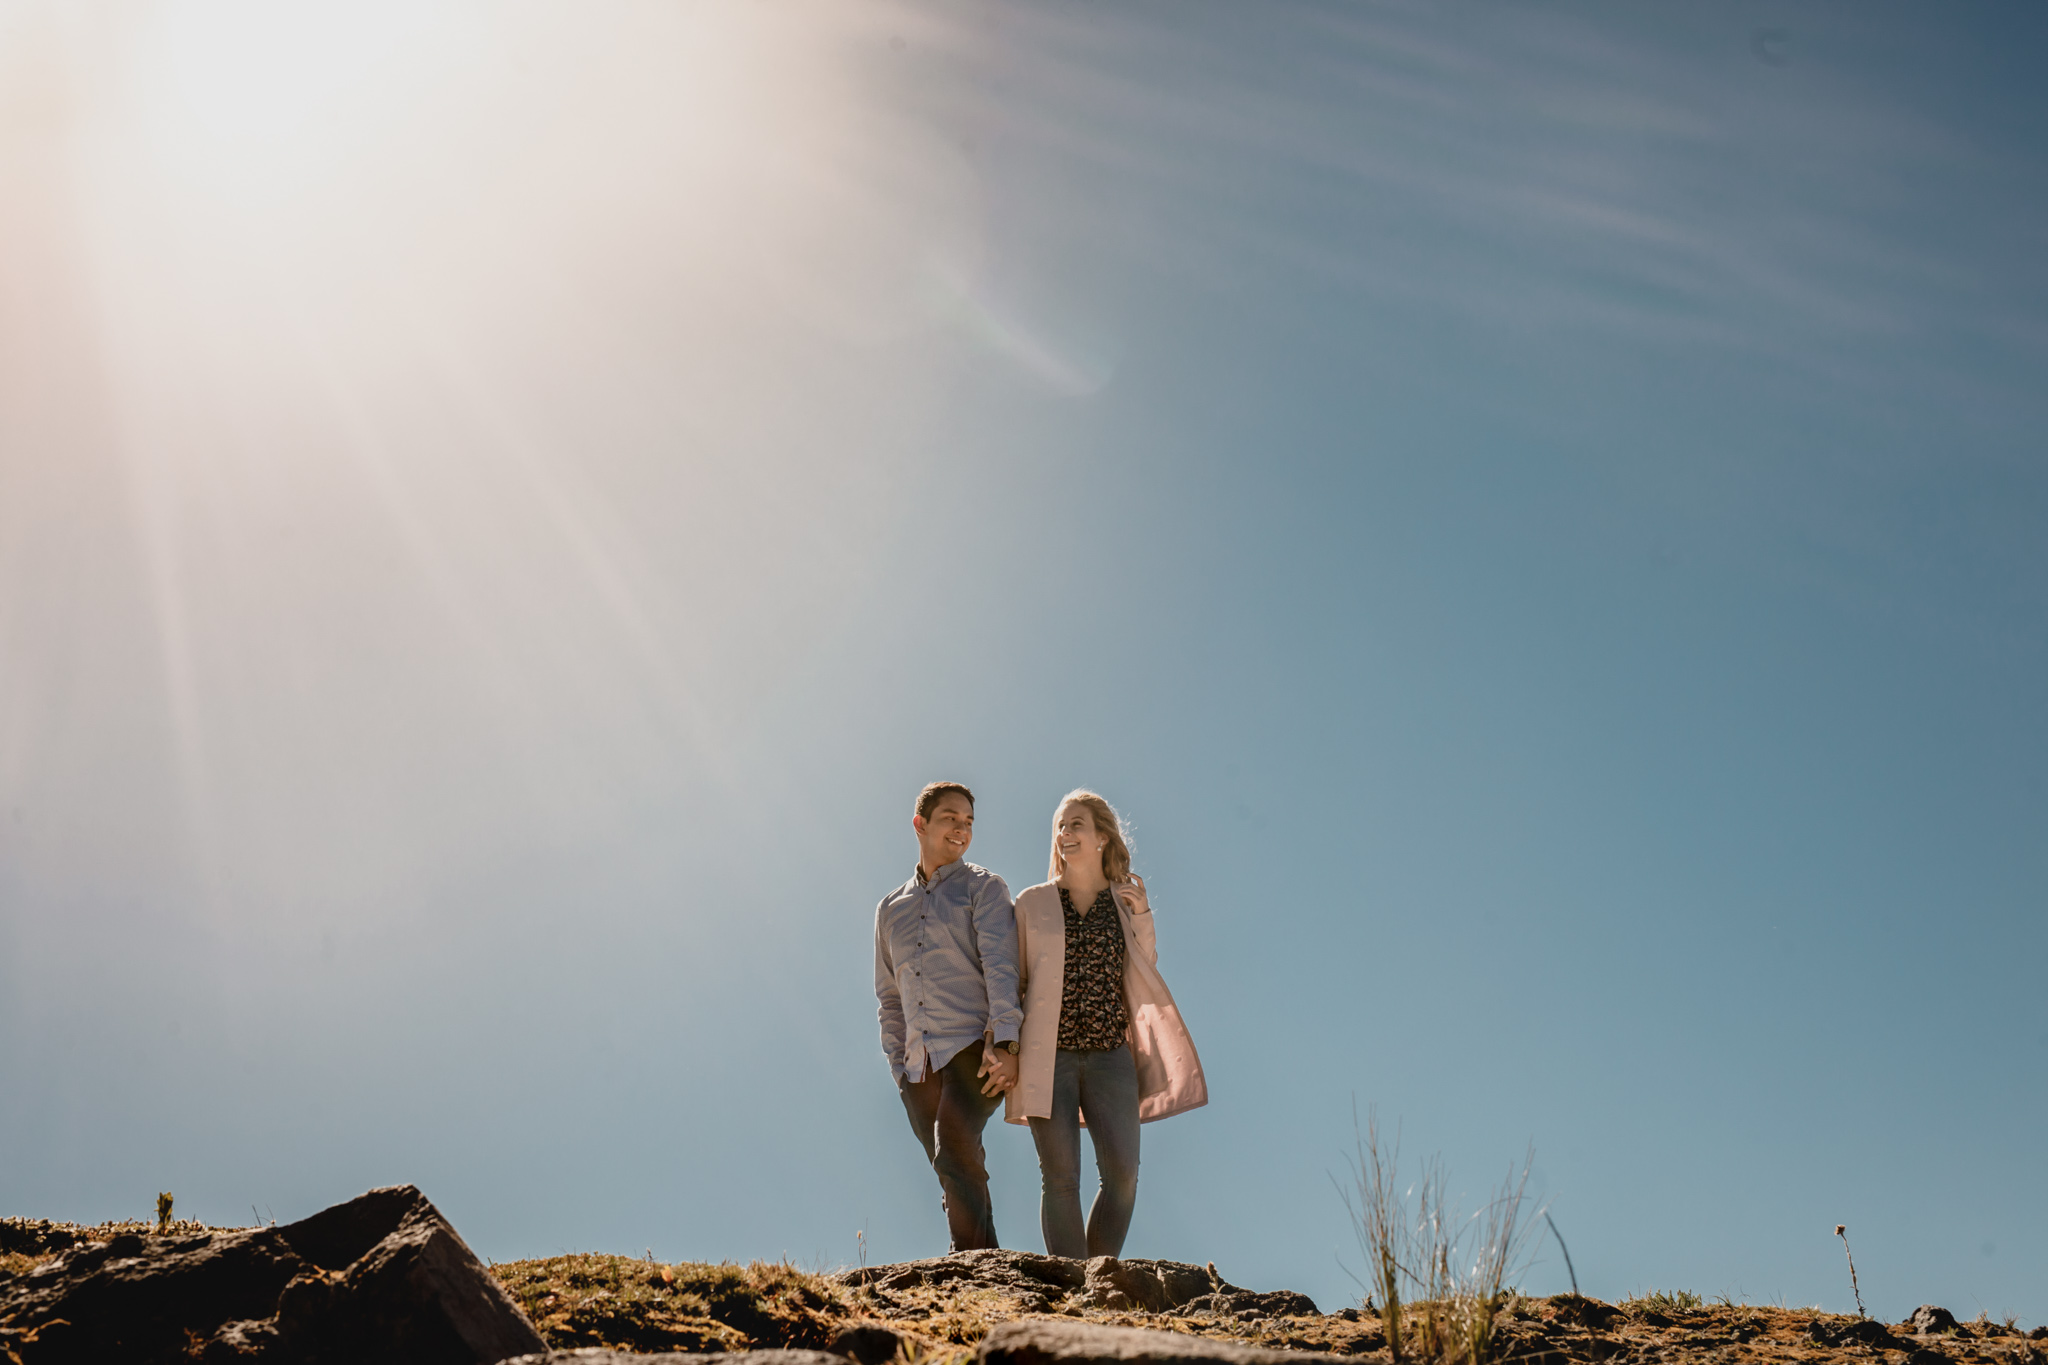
[[1536, 515]]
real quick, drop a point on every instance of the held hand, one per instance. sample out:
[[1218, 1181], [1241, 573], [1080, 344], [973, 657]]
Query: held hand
[[1001, 1069]]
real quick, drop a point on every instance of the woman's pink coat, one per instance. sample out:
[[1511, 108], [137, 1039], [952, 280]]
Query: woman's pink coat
[[1170, 1076]]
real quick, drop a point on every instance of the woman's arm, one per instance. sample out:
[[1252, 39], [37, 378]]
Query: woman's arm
[[1132, 896]]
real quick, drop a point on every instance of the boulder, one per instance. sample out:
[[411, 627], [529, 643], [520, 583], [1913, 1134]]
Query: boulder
[[393, 1281], [135, 1299], [1043, 1342], [1929, 1318], [381, 1277]]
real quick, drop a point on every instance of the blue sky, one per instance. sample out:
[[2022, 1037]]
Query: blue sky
[[1537, 515]]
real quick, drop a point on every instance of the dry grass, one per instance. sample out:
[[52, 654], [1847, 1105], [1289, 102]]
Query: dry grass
[[1439, 1275], [589, 1299], [1377, 1219]]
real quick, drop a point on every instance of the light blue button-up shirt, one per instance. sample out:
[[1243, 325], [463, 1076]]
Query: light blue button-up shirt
[[945, 967]]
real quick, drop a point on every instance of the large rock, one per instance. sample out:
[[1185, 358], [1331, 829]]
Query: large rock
[[135, 1299], [1042, 1342], [380, 1277], [396, 1284]]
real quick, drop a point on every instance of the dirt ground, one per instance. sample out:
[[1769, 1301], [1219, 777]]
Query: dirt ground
[[938, 1313]]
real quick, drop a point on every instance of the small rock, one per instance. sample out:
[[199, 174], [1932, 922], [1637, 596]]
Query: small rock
[[1112, 1284], [1584, 1312], [1852, 1331], [1928, 1318], [870, 1343]]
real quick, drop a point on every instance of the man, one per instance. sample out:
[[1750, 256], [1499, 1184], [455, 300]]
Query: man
[[946, 976]]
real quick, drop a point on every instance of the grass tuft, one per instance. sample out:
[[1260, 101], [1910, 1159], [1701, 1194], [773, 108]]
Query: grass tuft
[[1440, 1276]]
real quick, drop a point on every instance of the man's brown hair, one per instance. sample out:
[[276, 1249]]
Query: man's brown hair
[[935, 792]]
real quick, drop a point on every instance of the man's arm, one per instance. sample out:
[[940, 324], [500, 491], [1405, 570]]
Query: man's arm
[[1000, 1064], [891, 1011]]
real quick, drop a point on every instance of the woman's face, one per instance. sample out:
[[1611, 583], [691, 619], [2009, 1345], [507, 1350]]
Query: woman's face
[[1076, 837]]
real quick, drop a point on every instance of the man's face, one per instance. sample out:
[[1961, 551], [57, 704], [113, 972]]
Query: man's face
[[943, 836]]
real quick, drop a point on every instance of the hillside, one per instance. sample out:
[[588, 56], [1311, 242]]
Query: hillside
[[928, 1311]]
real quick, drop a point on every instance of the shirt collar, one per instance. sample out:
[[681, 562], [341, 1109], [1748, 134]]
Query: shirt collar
[[918, 878]]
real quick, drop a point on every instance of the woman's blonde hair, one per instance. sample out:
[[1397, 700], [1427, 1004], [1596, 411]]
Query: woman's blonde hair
[[1116, 854]]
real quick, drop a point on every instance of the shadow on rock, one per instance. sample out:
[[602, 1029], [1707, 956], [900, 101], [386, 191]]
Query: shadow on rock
[[382, 1277]]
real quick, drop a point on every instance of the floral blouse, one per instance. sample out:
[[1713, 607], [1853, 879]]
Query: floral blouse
[[1093, 1015]]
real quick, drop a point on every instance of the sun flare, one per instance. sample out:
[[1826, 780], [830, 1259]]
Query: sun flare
[[468, 397]]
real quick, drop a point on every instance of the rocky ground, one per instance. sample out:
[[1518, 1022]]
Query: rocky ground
[[940, 1311], [940, 1306]]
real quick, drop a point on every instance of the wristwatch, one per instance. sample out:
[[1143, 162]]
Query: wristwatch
[[1008, 1045]]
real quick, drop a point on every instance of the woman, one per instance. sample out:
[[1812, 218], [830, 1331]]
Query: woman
[[1102, 1040]]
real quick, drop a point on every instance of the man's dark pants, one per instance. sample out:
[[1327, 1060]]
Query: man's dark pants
[[947, 1112]]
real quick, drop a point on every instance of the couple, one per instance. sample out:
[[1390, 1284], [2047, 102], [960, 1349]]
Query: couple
[[1053, 1005]]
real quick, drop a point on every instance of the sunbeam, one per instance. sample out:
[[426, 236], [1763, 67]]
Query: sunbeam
[[452, 352]]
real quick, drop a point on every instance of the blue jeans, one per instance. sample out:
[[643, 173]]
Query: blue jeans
[[1104, 1086], [947, 1112]]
